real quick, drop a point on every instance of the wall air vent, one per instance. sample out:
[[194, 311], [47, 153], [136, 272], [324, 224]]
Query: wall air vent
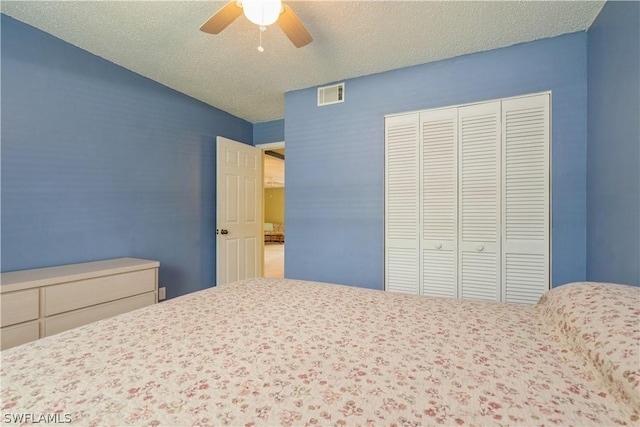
[[328, 95]]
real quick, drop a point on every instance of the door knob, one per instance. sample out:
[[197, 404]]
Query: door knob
[[438, 245], [223, 231], [479, 248]]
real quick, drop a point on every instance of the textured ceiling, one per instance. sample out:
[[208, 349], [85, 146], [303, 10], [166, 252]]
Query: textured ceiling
[[161, 40]]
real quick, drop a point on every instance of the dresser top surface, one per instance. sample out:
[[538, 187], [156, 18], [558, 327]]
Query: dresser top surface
[[25, 279]]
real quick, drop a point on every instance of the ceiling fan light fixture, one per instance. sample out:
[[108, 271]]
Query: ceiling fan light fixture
[[262, 12]]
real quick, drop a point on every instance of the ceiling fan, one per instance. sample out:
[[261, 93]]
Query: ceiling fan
[[261, 13]]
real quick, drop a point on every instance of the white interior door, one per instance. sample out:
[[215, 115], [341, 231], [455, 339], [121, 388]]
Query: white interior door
[[239, 211], [525, 199], [439, 132], [402, 211], [479, 201]]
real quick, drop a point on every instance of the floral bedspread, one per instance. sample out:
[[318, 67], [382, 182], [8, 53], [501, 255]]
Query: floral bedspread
[[285, 352]]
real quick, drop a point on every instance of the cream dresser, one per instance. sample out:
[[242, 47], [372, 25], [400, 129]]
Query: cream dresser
[[44, 301]]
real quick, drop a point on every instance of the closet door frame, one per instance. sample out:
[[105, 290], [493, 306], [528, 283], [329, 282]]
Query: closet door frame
[[550, 177]]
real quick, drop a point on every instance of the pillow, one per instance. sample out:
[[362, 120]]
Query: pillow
[[601, 321], [268, 226]]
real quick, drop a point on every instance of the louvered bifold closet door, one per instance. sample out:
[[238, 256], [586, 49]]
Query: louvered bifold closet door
[[525, 176], [439, 171], [479, 201], [402, 208]]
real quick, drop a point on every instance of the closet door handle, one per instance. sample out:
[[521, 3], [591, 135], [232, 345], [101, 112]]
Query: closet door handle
[[438, 245], [479, 248], [223, 231]]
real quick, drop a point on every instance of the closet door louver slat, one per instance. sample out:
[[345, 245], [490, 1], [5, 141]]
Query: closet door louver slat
[[439, 139], [480, 279], [479, 201], [525, 194], [402, 269], [402, 272]]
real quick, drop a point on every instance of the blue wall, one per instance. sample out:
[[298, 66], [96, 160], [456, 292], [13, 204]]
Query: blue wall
[[613, 169], [335, 154], [266, 132], [99, 162]]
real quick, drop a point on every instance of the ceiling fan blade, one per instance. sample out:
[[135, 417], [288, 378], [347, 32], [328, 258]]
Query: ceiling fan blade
[[222, 18], [293, 28]]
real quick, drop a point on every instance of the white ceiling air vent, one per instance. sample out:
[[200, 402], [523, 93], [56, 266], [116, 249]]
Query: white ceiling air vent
[[328, 95]]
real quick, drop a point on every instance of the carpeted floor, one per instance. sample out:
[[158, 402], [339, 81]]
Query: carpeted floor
[[274, 260]]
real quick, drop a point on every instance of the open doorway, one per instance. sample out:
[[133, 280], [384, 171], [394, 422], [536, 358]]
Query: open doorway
[[274, 218]]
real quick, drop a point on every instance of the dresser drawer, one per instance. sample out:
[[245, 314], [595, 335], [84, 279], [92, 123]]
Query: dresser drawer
[[65, 321], [19, 306], [85, 293], [12, 336]]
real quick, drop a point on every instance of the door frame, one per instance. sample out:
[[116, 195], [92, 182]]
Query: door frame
[[271, 146], [549, 171], [265, 147]]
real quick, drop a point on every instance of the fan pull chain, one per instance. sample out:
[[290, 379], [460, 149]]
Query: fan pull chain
[[260, 48]]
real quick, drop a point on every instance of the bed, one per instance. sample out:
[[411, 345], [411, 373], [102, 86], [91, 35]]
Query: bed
[[286, 352]]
